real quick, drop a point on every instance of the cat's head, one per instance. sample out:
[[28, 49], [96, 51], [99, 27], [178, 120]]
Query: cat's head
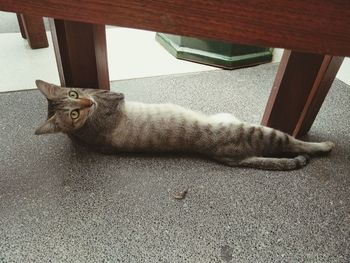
[[68, 108]]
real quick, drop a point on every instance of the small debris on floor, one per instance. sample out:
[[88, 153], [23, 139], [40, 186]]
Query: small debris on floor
[[180, 195]]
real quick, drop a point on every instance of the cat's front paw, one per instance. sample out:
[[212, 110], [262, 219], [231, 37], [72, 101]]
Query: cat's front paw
[[302, 160]]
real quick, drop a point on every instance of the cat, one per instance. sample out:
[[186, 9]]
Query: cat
[[104, 121]]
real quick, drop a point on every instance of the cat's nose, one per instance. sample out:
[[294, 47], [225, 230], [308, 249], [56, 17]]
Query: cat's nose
[[86, 103]]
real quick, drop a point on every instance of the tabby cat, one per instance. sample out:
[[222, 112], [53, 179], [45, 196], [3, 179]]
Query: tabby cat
[[104, 121]]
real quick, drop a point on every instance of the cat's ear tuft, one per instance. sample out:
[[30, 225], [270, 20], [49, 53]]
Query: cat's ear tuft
[[48, 89], [48, 127]]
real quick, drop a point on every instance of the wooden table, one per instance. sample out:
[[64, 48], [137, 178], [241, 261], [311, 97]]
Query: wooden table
[[316, 34]]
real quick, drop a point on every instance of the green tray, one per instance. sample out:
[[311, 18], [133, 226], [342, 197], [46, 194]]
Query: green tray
[[214, 53]]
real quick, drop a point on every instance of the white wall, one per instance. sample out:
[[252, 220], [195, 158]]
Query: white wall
[[344, 71]]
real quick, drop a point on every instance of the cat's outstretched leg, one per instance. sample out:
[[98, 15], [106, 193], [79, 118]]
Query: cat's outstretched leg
[[266, 163], [281, 164], [312, 148]]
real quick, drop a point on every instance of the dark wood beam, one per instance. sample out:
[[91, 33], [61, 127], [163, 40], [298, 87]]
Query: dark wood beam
[[81, 54], [21, 26], [34, 30], [301, 85], [318, 26]]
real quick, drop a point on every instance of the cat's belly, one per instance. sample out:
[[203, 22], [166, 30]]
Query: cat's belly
[[146, 143]]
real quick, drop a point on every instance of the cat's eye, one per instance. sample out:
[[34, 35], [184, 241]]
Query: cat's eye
[[73, 94], [74, 114]]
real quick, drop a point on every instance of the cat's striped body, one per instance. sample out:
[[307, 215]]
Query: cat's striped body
[[113, 125], [167, 127]]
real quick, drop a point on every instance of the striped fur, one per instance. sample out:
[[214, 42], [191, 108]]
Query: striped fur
[[113, 125]]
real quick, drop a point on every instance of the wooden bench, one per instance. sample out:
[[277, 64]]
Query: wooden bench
[[316, 34]]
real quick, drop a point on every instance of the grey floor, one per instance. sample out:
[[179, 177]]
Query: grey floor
[[62, 203]]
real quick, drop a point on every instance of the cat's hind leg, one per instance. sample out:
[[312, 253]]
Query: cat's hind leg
[[312, 148], [266, 163]]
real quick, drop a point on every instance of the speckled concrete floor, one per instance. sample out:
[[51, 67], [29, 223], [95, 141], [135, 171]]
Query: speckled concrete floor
[[61, 203]]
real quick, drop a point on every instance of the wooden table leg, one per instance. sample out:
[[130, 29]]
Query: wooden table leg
[[21, 26], [33, 29], [301, 85], [81, 53]]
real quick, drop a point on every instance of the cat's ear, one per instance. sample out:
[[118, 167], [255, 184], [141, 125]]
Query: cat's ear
[[118, 96], [49, 90], [48, 127]]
